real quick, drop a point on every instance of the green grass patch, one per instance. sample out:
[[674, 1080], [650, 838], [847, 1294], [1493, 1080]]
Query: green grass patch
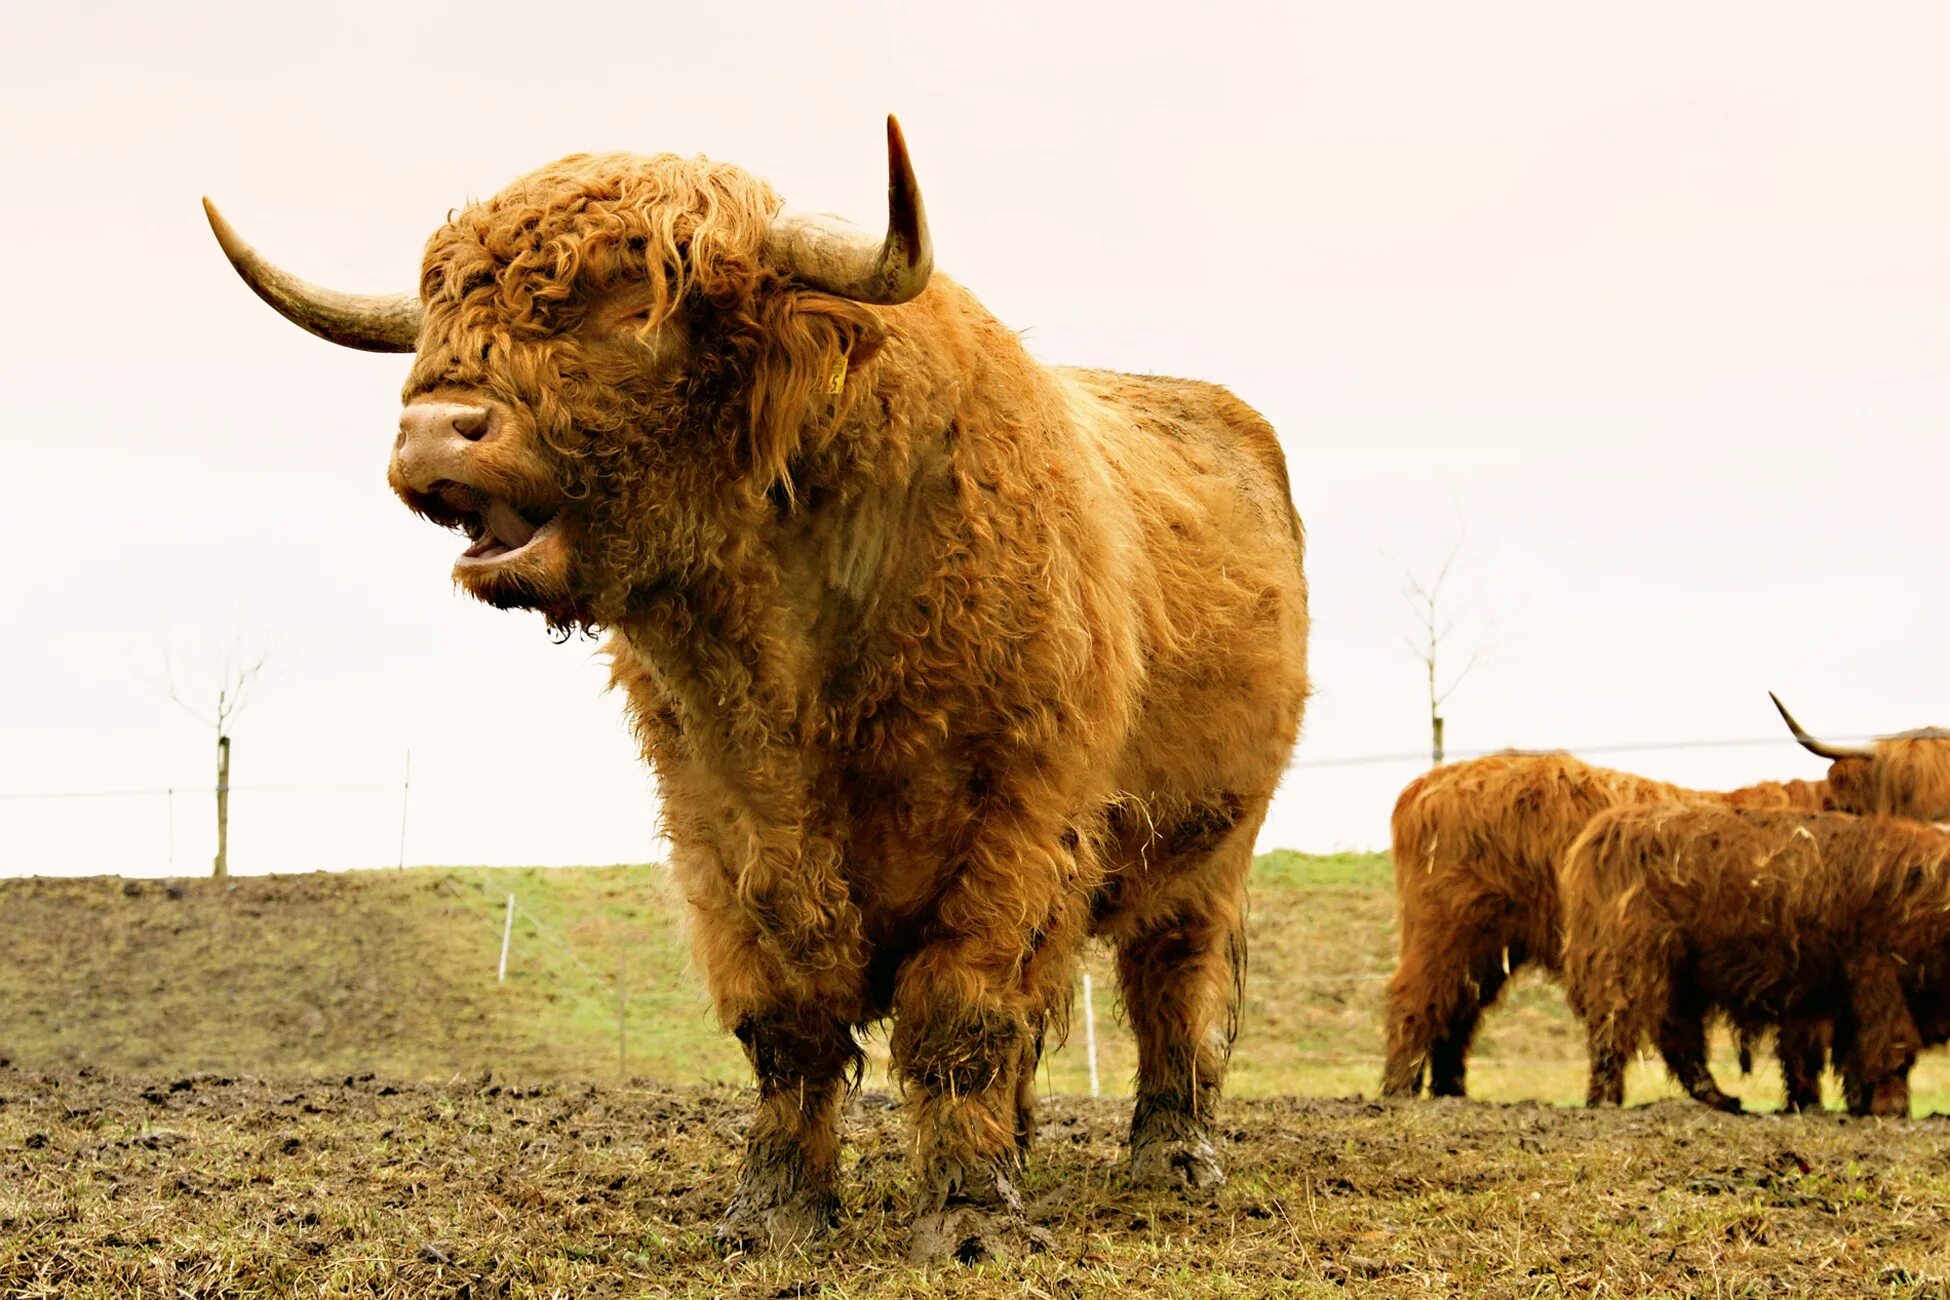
[[394, 972]]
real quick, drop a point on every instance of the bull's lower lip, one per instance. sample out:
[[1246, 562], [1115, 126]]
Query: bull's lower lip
[[490, 552]]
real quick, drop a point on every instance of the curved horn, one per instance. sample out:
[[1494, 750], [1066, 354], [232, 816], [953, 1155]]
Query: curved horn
[[369, 322], [1817, 747], [842, 260]]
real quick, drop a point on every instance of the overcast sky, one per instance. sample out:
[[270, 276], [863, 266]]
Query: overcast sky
[[1650, 302]]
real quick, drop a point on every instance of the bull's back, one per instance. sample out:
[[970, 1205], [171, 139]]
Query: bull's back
[[1728, 875], [1203, 430], [1195, 480]]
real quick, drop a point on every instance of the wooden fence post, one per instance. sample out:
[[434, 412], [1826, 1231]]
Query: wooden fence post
[[223, 807]]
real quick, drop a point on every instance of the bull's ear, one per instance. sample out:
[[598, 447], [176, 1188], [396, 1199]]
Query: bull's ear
[[810, 369]]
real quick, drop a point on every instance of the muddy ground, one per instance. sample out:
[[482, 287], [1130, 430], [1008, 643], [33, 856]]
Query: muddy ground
[[234, 1186]]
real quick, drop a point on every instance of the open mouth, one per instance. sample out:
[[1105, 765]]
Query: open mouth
[[499, 529]]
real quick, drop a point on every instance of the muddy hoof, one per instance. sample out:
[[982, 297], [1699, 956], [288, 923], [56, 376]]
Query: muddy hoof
[[968, 1234], [1721, 1102], [1180, 1165], [749, 1225]]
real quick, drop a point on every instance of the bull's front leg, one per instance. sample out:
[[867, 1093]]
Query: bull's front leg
[[788, 980], [969, 1011], [788, 1187]]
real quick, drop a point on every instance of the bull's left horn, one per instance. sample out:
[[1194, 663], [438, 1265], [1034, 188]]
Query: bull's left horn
[[1817, 747], [842, 260], [369, 322]]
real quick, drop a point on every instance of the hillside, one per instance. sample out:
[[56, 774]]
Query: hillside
[[393, 972]]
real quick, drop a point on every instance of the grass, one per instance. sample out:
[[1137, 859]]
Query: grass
[[394, 972]]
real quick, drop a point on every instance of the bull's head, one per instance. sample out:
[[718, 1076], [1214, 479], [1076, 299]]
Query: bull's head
[[604, 337], [1903, 775]]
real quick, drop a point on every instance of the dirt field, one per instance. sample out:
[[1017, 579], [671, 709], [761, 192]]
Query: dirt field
[[276, 1087], [217, 1186]]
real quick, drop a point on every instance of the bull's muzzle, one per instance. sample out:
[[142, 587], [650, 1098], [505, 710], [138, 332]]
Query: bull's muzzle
[[436, 442]]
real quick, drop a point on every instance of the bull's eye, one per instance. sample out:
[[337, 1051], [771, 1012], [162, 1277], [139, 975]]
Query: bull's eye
[[487, 350]]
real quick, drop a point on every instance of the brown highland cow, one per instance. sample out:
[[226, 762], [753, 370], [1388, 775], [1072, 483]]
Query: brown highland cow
[[1477, 850], [1670, 909], [944, 658]]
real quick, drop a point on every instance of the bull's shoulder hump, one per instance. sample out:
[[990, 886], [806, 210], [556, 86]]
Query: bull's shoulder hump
[[1193, 410]]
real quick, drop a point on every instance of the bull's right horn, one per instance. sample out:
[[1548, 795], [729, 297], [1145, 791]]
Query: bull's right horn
[[369, 322], [1816, 747], [839, 259]]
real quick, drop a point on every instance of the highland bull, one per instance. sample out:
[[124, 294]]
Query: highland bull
[[944, 658]]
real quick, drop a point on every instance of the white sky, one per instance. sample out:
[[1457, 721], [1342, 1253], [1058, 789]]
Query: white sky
[[1652, 301]]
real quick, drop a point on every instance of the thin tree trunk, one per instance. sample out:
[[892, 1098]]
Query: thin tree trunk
[[223, 807], [1435, 717]]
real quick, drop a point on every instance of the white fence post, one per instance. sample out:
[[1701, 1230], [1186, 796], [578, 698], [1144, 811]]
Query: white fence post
[[1090, 1032], [507, 934], [405, 791]]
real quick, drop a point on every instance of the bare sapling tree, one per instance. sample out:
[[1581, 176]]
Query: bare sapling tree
[[1433, 604], [237, 673]]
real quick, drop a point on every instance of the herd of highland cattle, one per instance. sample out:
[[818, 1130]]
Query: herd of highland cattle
[[1819, 910], [946, 660]]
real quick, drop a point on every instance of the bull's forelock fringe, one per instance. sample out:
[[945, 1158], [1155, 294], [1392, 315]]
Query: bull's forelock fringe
[[506, 277], [1908, 777]]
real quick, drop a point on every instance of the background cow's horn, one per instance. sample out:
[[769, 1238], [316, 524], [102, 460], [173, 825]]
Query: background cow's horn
[[841, 259], [369, 322], [1817, 747]]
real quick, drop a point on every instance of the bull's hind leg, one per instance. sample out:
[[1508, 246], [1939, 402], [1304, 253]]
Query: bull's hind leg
[[1682, 1042], [1421, 998], [1181, 965], [1031, 1058], [1482, 985], [1451, 971], [1614, 1026], [1611, 1048], [1879, 1038], [1801, 1046]]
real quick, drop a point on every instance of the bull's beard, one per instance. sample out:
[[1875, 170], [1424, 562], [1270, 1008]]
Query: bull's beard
[[562, 611], [667, 475], [647, 509]]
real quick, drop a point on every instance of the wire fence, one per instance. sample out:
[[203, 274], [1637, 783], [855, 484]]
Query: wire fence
[[1298, 762], [374, 823]]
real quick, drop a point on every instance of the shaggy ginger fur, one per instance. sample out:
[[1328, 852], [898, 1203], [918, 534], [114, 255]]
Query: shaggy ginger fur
[[944, 659], [1477, 848], [1669, 909]]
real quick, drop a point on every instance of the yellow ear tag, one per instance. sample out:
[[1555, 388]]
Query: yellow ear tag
[[836, 377]]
